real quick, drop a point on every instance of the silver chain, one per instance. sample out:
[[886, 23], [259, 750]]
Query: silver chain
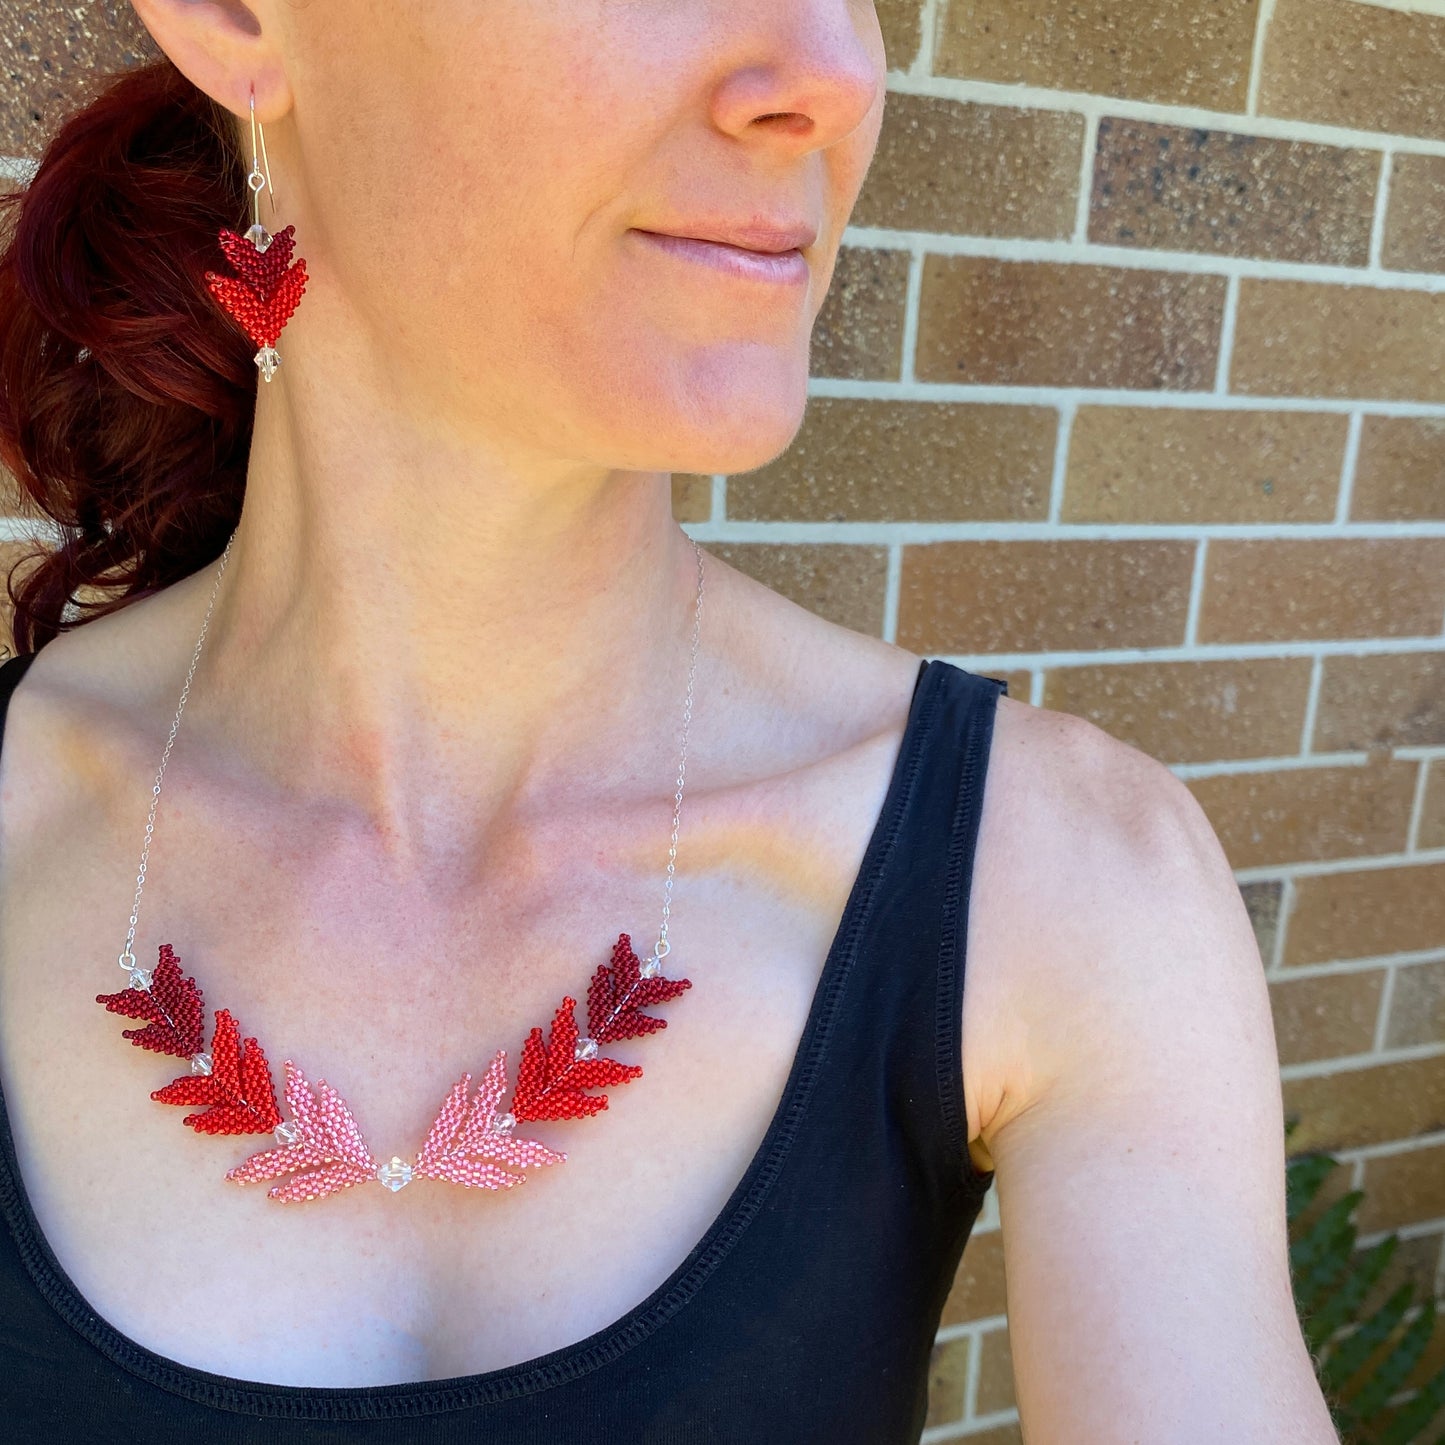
[[141, 977], [127, 958], [663, 946]]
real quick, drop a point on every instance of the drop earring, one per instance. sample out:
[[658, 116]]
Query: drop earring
[[267, 286]]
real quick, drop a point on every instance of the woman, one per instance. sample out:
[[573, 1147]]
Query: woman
[[426, 772]]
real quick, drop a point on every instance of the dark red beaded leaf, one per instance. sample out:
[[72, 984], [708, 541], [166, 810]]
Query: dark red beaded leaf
[[264, 293], [609, 984], [550, 1078], [172, 1007]]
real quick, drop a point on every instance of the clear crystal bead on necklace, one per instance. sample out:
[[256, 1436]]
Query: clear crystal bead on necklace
[[396, 1172]]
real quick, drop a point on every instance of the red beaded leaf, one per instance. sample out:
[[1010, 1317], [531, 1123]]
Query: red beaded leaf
[[550, 1080], [329, 1153], [608, 1017], [172, 1007], [238, 1088], [264, 292], [464, 1146]]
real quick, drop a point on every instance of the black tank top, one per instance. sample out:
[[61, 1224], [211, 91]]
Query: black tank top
[[807, 1311]]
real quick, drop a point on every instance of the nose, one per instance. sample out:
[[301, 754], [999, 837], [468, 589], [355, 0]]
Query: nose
[[809, 72]]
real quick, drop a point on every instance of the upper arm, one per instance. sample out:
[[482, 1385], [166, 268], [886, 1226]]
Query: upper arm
[[1140, 1157]]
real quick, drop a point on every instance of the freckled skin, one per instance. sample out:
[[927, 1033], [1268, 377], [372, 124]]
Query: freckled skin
[[427, 768], [431, 157]]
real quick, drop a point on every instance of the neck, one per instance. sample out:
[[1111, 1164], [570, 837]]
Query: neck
[[405, 620]]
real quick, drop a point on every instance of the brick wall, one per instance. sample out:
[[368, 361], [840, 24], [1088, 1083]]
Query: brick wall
[[1131, 388]]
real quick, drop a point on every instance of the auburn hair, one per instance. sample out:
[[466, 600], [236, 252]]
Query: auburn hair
[[127, 396]]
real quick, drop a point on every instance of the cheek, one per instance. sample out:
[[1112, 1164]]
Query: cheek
[[519, 182], [660, 369], [514, 183], [488, 237], [487, 129]]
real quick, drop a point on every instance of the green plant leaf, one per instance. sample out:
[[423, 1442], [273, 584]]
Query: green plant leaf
[[1319, 1255], [1367, 1266], [1347, 1358], [1390, 1375], [1409, 1421], [1302, 1178], [1331, 1279]]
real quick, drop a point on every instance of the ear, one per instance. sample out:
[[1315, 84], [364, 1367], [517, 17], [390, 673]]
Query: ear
[[224, 47]]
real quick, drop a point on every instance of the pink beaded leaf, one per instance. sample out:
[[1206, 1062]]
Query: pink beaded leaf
[[327, 1155], [266, 289], [550, 1079], [172, 1007], [464, 1144], [238, 1089]]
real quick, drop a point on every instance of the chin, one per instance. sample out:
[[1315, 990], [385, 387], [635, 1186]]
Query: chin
[[728, 450], [727, 430]]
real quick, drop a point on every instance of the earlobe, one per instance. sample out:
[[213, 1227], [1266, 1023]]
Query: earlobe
[[224, 48]]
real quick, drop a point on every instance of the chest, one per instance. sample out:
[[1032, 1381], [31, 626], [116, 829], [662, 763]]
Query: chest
[[390, 988]]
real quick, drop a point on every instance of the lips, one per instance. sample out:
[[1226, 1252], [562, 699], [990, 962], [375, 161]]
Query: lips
[[769, 237], [723, 258]]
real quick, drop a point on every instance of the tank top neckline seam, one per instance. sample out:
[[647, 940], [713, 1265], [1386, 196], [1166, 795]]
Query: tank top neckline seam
[[416, 1399]]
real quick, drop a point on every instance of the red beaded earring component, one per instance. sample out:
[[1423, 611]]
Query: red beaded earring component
[[266, 289]]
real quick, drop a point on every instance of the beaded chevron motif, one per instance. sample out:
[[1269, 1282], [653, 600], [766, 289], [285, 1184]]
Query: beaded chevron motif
[[266, 289], [321, 1148]]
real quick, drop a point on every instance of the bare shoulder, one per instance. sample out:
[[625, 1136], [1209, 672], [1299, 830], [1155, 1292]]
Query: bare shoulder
[[76, 717], [1134, 1116], [116, 659], [1102, 899]]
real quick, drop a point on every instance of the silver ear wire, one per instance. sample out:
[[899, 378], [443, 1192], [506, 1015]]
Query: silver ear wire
[[258, 235], [261, 295], [255, 125]]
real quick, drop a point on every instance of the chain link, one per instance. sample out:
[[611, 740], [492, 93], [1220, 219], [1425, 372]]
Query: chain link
[[127, 958], [663, 947]]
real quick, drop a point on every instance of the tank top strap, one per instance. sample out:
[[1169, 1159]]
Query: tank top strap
[[11, 671], [10, 674], [894, 1066]]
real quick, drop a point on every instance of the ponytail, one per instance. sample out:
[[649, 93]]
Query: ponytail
[[127, 397]]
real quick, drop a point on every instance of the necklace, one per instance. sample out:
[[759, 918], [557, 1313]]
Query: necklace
[[319, 1148]]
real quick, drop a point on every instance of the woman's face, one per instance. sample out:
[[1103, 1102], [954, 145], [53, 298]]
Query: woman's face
[[472, 178]]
